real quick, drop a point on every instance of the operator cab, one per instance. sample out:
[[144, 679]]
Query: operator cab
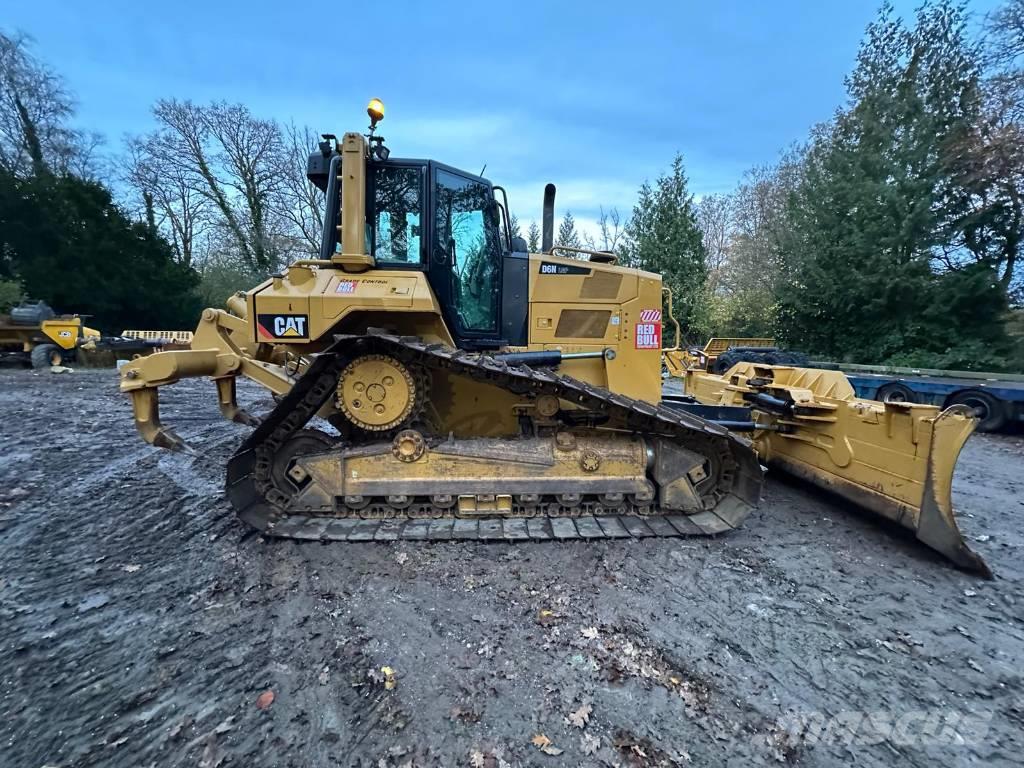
[[427, 216]]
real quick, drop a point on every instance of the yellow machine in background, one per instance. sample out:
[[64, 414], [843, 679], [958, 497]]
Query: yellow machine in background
[[32, 334], [474, 390]]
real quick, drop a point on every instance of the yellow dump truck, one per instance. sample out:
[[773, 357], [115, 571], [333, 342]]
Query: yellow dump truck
[[34, 335]]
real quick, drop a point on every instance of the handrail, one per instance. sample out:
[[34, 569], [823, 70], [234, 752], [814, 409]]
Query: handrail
[[672, 317], [598, 257]]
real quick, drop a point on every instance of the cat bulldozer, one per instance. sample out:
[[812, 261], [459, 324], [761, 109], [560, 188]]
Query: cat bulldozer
[[434, 380]]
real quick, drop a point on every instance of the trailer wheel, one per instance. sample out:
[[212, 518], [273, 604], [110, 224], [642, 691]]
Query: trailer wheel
[[896, 393], [46, 355], [990, 411]]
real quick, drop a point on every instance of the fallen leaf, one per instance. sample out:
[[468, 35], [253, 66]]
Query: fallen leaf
[[590, 633], [580, 716], [543, 743], [264, 700], [476, 758], [389, 678], [131, 568], [589, 744], [969, 593]]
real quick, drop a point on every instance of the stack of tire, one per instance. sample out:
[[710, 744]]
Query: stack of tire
[[31, 313], [760, 355]]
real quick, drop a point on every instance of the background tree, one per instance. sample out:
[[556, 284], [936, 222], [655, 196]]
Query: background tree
[[715, 220], [35, 107], [66, 242], [172, 196], [63, 239], [663, 236], [533, 237], [567, 234], [298, 201], [610, 232], [514, 229], [871, 215], [238, 164]]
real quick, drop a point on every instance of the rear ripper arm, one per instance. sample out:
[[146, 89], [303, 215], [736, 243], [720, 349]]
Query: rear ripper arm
[[221, 350]]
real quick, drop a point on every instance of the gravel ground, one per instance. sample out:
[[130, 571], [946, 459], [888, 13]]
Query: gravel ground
[[142, 625]]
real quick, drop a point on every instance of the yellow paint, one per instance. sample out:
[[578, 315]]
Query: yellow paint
[[63, 331]]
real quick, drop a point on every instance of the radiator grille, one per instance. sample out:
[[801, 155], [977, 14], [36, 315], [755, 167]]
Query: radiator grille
[[583, 323]]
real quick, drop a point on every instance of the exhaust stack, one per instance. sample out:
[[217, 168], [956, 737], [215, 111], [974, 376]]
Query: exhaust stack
[[547, 240]]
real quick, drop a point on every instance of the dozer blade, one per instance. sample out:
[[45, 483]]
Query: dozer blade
[[894, 459]]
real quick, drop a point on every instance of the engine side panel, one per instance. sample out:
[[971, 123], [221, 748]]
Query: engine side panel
[[581, 306]]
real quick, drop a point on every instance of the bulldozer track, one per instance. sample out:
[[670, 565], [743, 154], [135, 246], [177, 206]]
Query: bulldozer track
[[259, 501]]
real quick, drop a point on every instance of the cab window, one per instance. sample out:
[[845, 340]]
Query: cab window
[[466, 231], [395, 229]]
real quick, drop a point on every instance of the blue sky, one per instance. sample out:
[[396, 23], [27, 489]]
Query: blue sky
[[594, 96]]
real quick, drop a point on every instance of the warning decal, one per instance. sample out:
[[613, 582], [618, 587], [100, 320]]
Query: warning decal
[[648, 330]]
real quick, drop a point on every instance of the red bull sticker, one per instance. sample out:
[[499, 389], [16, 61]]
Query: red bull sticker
[[346, 286], [648, 330]]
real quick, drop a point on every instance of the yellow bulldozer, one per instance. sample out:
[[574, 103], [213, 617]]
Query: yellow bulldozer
[[434, 380]]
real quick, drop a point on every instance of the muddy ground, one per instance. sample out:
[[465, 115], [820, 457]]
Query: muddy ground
[[142, 625]]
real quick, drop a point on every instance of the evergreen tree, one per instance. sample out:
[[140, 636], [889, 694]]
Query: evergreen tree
[[567, 234], [662, 236], [870, 218], [514, 229], [533, 237], [67, 243]]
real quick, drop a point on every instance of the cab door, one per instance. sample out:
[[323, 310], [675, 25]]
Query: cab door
[[465, 260]]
